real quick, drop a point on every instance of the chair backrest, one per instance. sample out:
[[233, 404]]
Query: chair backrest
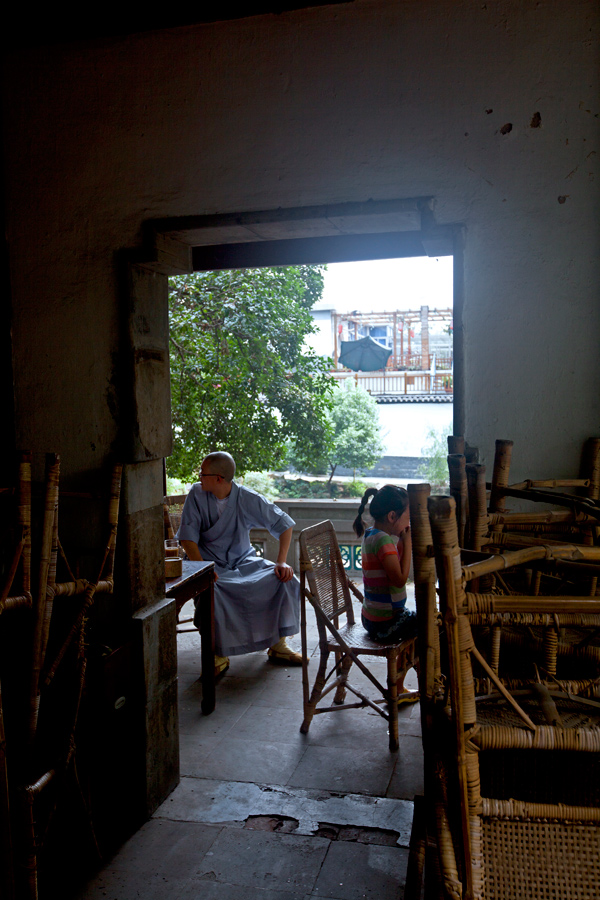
[[321, 562]]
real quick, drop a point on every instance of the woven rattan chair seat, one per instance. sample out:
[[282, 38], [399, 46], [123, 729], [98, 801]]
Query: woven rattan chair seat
[[492, 711], [530, 858], [356, 637]]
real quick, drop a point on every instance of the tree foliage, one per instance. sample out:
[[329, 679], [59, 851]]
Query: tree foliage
[[241, 378], [434, 469], [355, 440]]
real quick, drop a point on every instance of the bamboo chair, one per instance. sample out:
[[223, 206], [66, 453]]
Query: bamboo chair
[[507, 827], [423, 869], [48, 765], [18, 573], [578, 518], [328, 591]]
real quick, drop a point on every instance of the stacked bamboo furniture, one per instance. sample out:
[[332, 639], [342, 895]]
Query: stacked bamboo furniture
[[511, 729], [38, 753]]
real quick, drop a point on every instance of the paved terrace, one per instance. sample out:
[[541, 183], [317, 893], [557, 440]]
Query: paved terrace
[[265, 812]]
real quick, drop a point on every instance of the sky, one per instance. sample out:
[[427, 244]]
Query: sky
[[388, 284]]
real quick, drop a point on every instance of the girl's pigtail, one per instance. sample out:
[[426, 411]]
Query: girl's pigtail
[[358, 525]]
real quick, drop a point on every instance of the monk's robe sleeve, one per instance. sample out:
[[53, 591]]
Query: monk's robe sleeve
[[192, 518], [262, 513]]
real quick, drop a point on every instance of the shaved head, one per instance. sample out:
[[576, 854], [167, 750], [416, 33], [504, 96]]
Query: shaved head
[[220, 463]]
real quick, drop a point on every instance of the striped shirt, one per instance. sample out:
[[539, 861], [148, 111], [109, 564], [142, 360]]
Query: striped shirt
[[381, 598]]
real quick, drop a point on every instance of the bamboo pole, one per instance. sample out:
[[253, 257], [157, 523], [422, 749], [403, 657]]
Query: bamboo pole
[[27, 859], [500, 474], [91, 588], [50, 592], [496, 603], [50, 505], [63, 556], [24, 517], [543, 517], [424, 576], [504, 561], [70, 757], [478, 517], [554, 549], [452, 599], [458, 490], [554, 483], [12, 571], [88, 601], [113, 521], [575, 503], [430, 681]]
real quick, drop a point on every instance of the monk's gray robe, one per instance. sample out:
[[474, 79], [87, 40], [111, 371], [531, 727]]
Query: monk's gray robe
[[253, 609]]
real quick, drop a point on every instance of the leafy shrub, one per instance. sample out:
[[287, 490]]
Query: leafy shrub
[[262, 483], [435, 468]]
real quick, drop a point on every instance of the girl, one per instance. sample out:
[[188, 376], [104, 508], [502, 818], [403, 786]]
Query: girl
[[385, 566]]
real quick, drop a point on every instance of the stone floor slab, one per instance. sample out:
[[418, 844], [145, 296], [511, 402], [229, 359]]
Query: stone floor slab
[[362, 872], [200, 889], [246, 760], [156, 862], [345, 770], [407, 779], [260, 860], [271, 724]]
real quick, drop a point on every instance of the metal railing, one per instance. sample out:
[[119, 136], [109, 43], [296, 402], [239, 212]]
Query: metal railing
[[410, 382]]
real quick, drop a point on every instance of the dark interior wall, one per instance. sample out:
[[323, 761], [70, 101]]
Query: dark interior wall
[[370, 99]]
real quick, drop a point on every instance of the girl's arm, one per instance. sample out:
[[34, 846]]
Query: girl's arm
[[397, 565]]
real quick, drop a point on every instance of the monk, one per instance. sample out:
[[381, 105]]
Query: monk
[[257, 602]]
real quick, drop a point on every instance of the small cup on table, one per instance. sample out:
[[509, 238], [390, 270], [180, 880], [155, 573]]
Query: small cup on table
[[173, 558]]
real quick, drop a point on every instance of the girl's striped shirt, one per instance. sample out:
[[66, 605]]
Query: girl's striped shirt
[[381, 598]]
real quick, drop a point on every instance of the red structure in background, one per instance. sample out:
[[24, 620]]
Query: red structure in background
[[401, 323]]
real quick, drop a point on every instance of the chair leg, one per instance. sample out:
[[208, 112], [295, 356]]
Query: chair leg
[[315, 696], [343, 665], [416, 851], [392, 679]]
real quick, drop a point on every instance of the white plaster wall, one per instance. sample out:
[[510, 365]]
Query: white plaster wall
[[374, 99]]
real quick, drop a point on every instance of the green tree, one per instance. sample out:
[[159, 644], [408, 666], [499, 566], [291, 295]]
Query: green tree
[[435, 467], [241, 377], [355, 441]]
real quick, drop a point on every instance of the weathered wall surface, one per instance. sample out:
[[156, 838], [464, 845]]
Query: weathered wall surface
[[376, 99]]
